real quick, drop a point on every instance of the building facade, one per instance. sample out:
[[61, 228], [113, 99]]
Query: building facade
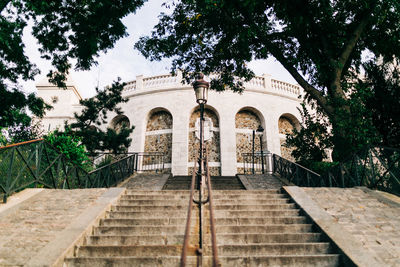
[[166, 118]]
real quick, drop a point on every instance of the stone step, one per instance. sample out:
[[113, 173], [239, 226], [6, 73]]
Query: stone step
[[116, 240], [268, 238], [253, 201], [149, 208], [147, 214], [249, 196], [154, 192], [125, 251], [274, 249], [129, 261], [152, 202], [255, 207], [144, 221], [155, 197], [246, 192], [331, 260], [254, 213], [139, 230], [261, 220], [266, 228]]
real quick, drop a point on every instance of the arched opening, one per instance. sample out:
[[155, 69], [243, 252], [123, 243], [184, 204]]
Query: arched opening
[[286, 124], [119, 122], [248, 120], [212, 139], [159, 134]]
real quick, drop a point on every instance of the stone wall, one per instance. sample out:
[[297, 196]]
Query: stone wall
[[285, 126], [214, 152], [246, 120], [159, 142]]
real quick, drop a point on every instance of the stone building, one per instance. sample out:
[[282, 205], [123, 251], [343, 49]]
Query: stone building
[[165, 115]]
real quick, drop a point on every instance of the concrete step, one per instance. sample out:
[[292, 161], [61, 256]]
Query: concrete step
[[261, 220], [123, 240], [268, 238], [159, 261], [150, 208], [275, 261], [266, 228], [155, 197], [152, 192], [246, 192], [274, 249], [146, 214], [254, 213], [326, 260], [231, 196], [147, 221], [126, 251], [253, 201], [152, 202], [256, 207], [139, 230]]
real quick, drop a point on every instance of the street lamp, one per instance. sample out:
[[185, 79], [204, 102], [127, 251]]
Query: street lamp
[[200, 87], [260, 129]]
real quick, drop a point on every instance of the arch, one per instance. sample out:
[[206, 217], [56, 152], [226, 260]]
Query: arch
[[213, 143], [248, 119], [120, 121], [286, 124], [158, 135]]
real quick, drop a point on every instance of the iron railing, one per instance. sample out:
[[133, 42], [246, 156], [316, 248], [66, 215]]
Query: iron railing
[[376, 168], [144, 161], [254, 163], [38, 164], [200, 202]]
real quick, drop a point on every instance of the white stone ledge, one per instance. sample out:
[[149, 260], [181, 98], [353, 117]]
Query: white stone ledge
[[158, 132]]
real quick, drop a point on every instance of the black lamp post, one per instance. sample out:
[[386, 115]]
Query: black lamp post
[[200, 87], [260, 129]]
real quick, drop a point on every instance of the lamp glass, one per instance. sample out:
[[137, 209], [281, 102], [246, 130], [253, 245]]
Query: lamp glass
[[201, 94]]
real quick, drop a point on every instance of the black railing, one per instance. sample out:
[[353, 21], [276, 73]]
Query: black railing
[[376, 168], [254, 163], [38, 164], [295, 173]]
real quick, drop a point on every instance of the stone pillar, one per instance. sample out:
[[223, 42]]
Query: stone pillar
[[139, 82], [267, 82], [228, 143], [180, 129]]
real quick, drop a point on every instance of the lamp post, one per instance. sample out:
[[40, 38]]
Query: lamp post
[[200, 87], [260, 129]]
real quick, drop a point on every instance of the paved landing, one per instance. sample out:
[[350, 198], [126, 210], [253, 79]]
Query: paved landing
[[29, 228], [143, 181], [260, 181], [368, 219]]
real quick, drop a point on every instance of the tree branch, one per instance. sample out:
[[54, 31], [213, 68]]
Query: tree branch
[[3, 4]]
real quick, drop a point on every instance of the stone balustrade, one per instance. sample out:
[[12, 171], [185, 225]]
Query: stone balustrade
[[259, 83]]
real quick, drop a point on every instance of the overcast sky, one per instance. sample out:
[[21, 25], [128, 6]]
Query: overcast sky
[[126, 62]]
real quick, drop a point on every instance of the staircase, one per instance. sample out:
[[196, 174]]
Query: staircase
[[217, 183], [254, 228], [262, 228], [145, 228]]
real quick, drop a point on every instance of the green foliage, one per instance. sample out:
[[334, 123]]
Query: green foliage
[[311, 141], [94, 114], [65, 31], [71, 146], [320, 43], [105, 161]]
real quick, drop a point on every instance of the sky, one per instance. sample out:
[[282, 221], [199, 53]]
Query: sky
[[126, 62]]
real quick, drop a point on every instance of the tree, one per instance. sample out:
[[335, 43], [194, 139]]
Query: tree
[[65, 30], [94, 114], [319, 42]]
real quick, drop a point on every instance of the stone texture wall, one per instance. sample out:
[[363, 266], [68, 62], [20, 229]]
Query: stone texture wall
[[160, 120], [285, 126], [246, 119], [214, 152]]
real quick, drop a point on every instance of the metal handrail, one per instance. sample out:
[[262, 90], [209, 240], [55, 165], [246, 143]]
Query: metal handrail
[[212, 221], [188, 219]]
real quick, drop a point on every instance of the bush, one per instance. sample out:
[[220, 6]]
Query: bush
[[319, 167]]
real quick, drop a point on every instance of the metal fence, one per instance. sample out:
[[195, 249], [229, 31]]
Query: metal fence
[[254, 163], [38, 164]]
